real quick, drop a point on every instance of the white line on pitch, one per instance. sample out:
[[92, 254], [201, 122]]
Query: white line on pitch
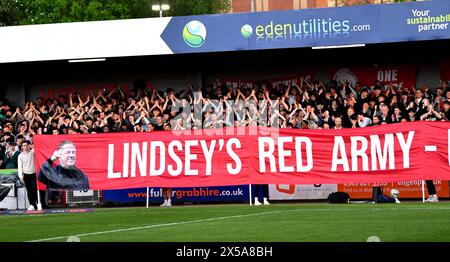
[[430, 148], [161, 225], [220, 218]]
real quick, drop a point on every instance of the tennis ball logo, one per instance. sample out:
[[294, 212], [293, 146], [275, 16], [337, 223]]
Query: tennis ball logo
[[194, 34], [246, 31]]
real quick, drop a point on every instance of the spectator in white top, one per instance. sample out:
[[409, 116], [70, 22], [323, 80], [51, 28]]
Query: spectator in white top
[[364, 119], [27, 174]]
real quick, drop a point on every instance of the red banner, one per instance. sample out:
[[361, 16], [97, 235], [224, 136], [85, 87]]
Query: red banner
[[52, 92], [288, 81], [233, 156], [401, 77]]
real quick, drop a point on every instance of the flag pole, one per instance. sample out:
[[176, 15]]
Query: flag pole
[[39, 198], [250, 194], [146, 204], [423, 192], [39, 205]]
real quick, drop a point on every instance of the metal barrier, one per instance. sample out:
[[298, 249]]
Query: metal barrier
[[89, 197]]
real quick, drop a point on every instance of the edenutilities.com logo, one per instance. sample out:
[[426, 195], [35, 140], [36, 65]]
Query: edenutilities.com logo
[[194, 34], [247, 31], [304, 27]]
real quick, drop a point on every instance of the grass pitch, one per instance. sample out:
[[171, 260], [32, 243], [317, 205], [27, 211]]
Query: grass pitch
[[238, 223]]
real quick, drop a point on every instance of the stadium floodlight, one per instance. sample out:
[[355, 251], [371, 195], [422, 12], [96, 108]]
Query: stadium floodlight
[[165, 7], [337, 46], [160, 8], [87, 60]]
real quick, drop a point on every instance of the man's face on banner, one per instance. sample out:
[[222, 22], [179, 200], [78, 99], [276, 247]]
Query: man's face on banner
[[68, 156]]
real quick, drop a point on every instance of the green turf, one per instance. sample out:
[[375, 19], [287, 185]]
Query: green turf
[[277, 222]]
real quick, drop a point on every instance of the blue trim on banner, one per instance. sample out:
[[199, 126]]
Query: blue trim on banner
[[414, 21]]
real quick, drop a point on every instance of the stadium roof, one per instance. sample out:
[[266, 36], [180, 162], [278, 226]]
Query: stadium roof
[[343, 26]]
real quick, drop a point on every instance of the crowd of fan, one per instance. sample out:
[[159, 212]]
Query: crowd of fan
[[309, 105]]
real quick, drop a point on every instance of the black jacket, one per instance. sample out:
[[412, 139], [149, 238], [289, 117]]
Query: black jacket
[[59, 178]]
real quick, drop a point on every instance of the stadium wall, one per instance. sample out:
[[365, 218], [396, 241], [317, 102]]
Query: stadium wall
[[18, 94]]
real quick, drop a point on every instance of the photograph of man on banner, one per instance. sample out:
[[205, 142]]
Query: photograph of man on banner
[[65, 176]]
